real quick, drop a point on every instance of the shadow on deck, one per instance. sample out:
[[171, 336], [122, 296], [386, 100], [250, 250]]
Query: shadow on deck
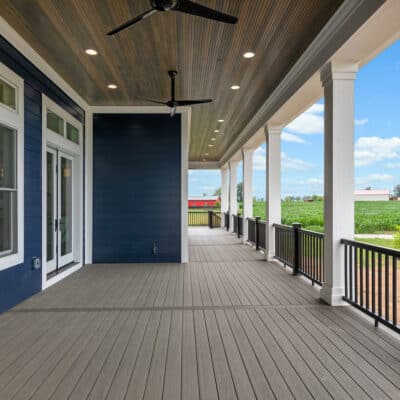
[[227, 325]]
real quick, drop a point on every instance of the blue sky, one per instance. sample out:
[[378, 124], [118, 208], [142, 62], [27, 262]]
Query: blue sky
[[377, 138]]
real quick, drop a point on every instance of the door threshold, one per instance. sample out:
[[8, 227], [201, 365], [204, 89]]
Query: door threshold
[[62, 273]]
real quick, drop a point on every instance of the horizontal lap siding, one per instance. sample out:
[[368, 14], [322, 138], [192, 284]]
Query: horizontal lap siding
[[137, 188], [22, 281]]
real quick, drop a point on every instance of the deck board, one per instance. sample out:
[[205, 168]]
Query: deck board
[[227, 325]]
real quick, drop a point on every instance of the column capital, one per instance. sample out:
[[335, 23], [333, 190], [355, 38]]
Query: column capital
[[247, 151], [338, 70], [271, 130]]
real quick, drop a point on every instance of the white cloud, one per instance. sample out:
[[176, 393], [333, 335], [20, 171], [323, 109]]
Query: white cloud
[[310, 122], [314, 181], [361, 121], [369, 150], [259, 160], [374, 178], [294, 163], [393, 165], [289, 137]]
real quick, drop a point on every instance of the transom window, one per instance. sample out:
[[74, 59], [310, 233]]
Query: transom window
[[8, 95], [59, 125]]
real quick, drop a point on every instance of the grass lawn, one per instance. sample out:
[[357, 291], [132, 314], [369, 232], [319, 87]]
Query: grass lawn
[[379, 242], [370, 216]]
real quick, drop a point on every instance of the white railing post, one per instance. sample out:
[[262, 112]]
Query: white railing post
[[338, 81], [273, 186]]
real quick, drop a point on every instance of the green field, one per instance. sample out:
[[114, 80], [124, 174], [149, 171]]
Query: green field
[[370, 216]]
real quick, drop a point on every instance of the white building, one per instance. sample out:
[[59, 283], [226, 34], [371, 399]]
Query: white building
[[371, 195]]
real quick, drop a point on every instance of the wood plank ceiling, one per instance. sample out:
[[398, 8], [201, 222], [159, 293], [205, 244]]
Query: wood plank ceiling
[[207, 54]]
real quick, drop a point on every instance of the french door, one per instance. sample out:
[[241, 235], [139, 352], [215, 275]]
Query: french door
[[60, 206]]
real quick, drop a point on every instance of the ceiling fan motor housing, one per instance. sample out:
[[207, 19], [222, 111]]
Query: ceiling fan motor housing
[[164, 5]]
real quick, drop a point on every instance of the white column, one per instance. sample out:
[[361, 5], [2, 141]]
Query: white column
[[273, 186], [224, 193], [247, 155], [338, 81], [233, 205]]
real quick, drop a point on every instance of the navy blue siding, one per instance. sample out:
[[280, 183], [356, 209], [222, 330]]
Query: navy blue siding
[[19, 282], [137, 188]]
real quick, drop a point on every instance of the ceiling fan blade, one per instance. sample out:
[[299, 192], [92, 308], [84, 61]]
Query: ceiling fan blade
[[189, 7], [156, 102], [192, 102], [132, 21]]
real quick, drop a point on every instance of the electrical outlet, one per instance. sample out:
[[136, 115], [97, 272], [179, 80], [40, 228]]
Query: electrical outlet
[[36, 262]]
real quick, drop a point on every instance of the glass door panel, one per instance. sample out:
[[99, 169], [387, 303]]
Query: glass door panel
[[65, 206], [51, 210]]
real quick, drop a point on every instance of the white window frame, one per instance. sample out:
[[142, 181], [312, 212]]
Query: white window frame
[[14, 119]]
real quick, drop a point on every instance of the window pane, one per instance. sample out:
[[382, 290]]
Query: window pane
[[7, 158], [55, 123], [72, 133], [8, 95], [7, 219], [50, 206]]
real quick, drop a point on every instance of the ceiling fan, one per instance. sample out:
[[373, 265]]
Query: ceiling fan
[[173, 103], [184, 6]]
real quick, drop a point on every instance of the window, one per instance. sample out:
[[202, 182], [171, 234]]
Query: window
[[11, 168], [55, 123], [8, 189], [60, 125], [72, 133], [7, 95]]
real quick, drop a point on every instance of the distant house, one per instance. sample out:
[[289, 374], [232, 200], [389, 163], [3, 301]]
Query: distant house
[[371, 195], [202, 201]]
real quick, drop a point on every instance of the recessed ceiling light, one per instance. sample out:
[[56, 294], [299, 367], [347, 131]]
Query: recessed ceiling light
[[220, 120], [249, 54], [213, 139], [216, 130], [210, 145], [235, 87], [91, 52], [112, 86], [204, 159], [206, 154]]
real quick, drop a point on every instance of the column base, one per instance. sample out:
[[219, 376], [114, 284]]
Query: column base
[[333, 296], [270, 256]]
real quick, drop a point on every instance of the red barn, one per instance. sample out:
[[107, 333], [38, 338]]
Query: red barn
[[202, 201]]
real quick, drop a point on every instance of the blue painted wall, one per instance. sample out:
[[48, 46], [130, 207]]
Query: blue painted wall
[[19, 282], [137, 188]]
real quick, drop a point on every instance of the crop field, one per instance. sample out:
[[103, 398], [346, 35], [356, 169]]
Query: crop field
[[370, 216]]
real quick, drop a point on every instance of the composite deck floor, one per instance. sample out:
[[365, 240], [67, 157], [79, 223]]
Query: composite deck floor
[[228, 325]]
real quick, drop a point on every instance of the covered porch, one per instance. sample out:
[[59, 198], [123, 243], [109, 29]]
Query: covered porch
[[225, 325]]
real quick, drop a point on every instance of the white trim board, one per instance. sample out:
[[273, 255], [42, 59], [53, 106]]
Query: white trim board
[[185, 140]]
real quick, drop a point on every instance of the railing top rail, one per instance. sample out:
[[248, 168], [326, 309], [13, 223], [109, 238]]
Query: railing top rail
[[280, 226], [367, 246], [261, 221], [313, 233], [251, 219]]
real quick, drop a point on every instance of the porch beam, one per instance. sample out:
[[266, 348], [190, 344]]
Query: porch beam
[[233, 206], [247, 156], [273, 186], [338, 82]]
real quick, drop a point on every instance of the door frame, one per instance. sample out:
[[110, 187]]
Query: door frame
[[75, 151]]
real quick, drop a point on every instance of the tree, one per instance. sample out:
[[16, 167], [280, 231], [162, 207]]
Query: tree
[[396, 190], [240, 192], [217, 192]]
